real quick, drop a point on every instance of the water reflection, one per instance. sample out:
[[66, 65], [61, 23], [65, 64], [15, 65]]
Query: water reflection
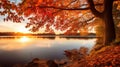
[[19, 43], [13, 44], [23, 49], [24, 39]]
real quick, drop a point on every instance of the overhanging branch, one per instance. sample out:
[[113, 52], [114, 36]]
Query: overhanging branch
[[62, 8], [68, 8], [94, 11]]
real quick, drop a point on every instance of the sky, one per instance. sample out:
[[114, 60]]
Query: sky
[[12, 27], [9, 26]]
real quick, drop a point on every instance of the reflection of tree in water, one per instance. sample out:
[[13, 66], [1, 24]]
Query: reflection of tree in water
[[75, 54]]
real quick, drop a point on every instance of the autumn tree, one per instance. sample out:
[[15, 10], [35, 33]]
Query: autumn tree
[[63, 15]]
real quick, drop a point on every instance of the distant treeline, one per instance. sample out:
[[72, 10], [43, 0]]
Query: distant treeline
[[22, 34], [39, 34]]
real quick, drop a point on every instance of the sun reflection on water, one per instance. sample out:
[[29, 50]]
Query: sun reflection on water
[[24, 39]]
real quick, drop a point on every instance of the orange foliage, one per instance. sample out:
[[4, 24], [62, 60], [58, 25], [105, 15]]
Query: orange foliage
[[27, 12], [62, 14], [39, 2], [108, 56]]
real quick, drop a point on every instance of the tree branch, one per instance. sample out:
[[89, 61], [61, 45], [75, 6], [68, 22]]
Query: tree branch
[[94, 11], [64, 8], [73, 8]]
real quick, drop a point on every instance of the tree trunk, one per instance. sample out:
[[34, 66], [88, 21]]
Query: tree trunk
[[109, 34], [106, 16]]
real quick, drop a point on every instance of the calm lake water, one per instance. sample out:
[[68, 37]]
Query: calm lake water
[[23, 49]]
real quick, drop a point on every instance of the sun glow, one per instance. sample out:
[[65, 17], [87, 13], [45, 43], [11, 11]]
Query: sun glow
[[23, 30], [24, 39]]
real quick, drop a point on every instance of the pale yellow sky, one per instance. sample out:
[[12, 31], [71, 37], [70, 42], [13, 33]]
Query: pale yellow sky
[[12, 27], [9, 26], [20, 27]]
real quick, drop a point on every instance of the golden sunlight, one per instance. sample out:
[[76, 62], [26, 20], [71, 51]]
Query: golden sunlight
[[23, 30], [24, 39], [91, 30]]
